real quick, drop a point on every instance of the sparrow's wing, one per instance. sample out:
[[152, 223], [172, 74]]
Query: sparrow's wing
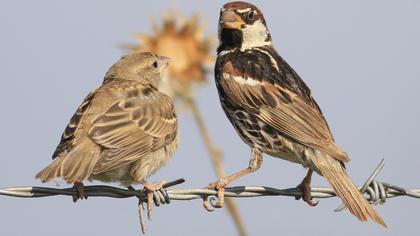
[[134, 127], [69, 133], [287, 112]]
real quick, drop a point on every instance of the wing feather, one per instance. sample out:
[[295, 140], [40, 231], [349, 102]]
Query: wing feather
[[133, 127], [282, 109]]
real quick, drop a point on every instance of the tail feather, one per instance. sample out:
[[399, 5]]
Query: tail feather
[[343, 186], [74, 166], [51, 171]]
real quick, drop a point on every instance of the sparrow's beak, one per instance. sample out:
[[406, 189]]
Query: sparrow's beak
[[164, 62], [230, 20]]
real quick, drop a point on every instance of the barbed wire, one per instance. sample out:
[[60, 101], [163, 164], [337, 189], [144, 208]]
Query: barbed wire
[[375, 191]]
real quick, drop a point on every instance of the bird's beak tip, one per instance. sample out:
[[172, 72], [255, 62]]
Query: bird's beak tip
[[230, 20], [165, 60]]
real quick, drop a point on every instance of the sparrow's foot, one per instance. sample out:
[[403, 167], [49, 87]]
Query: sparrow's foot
[[306, 190], [79, 191], [219, 186], [150, 188], [305, 185]]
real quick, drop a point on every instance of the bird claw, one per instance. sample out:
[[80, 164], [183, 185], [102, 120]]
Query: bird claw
[[312, 202], [212, 202], [150, 189], [306, 194], [79, 191]]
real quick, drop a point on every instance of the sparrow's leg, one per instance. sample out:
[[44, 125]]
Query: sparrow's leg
[[79, 193], [254, 164], [150, 188], [305, 185]]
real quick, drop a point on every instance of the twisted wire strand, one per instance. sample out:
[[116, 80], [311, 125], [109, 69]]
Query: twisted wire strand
[[375, 191]]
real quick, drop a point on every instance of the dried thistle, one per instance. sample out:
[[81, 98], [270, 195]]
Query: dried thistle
[[183, 41]]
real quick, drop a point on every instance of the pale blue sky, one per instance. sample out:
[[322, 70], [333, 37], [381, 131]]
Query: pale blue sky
[[361, 59]]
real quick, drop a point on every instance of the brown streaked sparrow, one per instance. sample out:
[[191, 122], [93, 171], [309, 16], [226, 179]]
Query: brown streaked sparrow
[[273, 110], [124, 131]]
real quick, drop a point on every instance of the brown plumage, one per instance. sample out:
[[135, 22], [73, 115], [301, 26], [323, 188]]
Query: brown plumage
[[124, 130], [273, 110]]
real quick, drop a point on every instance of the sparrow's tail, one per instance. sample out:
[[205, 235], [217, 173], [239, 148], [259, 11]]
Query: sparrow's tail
[[74, 166], [343, 186], [50, 172]]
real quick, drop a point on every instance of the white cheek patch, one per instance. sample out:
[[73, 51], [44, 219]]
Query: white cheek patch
[[254, 35], [240, 80]]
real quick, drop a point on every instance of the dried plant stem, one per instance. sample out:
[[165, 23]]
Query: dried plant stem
[[216, 158]]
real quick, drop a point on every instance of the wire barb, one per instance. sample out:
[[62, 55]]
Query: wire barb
[[371, 188]]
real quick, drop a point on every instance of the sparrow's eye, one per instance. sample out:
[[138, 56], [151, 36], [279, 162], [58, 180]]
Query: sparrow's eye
[[155, 64], [250, 16]]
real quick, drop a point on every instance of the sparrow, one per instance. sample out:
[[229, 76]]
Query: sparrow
[[124, 131], [273, 111]]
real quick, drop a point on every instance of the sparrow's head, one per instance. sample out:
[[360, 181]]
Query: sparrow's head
[[242, 25], [145, 67]]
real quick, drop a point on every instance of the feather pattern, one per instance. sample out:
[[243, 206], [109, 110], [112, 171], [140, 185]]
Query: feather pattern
[[117, 126], [267, 96], [132, 127], [68, 136]]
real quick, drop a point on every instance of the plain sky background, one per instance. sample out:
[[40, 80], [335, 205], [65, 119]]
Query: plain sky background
[[360, 58]]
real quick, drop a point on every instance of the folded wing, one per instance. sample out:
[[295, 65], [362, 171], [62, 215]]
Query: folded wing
[[282, 109], [133, 127]]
